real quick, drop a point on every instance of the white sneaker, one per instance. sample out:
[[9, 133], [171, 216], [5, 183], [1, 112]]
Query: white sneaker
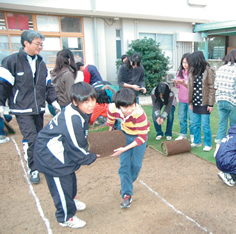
[[168, 138], [227, 178], [207, 148], [159, 137], [79, 205], [180, 138], [195, 145], [191, 138], [74, 222], [4, 139]]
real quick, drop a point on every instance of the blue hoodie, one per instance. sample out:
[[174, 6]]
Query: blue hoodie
[[226, 155]]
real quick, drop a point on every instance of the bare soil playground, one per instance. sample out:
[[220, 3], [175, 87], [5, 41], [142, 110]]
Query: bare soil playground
[[176, 194]]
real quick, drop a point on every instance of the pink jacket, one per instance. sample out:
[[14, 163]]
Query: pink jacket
[[183, 91]]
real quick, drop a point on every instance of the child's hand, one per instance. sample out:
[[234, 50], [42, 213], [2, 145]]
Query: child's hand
[[118, 151], [98, 155], [160, 121], [136, 87], [191, 107], [210, 109], [110, 128], [143, 90]]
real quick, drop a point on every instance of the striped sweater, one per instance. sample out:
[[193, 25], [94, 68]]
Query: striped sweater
[[134, 124]]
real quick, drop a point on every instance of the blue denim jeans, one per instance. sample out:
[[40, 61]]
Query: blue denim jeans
[[226, 111], [8, 118], [130, 165], [183, 114], [205, 121], [169, 126]]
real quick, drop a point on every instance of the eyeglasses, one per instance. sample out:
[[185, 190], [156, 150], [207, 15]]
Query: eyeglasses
[[37, 44]]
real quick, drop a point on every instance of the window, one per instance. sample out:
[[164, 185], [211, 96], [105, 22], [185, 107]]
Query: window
[[165, 40], [2, 21], [70, 24], [216, 47], [4, 47], [60, 32], [118, 44], [19, 21]]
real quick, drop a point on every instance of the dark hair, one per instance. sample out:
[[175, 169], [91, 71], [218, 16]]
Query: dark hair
[[135, 58], [79, 64], [230, 57], [163, 88], [197, 63], [180, 69], [123, 57], [124, 97], [62, 61], [82, 91], [30, 35]]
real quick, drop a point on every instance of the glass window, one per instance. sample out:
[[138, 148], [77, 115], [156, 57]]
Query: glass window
[[71, 24], [72, 43], [147, 35], [15, 42], [49, 57], [166, 44], [19, 21], [79, 56], [4, 43], [52, 43], [47, 23], [2, 21], [165, 40], [4, 54], [216, 47]]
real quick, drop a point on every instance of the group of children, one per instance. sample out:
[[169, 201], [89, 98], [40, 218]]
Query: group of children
[[195, 81], [61, 147]]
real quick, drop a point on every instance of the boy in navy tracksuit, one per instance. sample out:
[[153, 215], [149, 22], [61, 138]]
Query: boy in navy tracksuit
[[60, 150]]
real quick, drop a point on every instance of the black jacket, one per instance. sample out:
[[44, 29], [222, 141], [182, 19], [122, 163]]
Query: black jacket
[[26, 92], [61, 146]]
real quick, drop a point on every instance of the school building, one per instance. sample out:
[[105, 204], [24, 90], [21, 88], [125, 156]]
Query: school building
[[99, 31]]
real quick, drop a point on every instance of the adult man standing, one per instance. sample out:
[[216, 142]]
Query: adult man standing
[[91, 73], [24, 81]]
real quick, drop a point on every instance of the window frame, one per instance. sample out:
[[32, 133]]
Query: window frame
[[163, 33], [60, 34]]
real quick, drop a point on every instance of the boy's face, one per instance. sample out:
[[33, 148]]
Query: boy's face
[[127, 110], [86, 107]]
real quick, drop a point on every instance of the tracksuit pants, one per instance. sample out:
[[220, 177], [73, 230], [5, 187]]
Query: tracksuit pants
[[63, 191], [29, 125]]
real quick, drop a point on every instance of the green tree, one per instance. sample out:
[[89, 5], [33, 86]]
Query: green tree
[[153, 60]]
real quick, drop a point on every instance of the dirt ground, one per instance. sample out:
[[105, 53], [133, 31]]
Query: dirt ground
[[175, 194]]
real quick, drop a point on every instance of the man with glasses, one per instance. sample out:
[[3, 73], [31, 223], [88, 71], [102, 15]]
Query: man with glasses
[[24, 81]]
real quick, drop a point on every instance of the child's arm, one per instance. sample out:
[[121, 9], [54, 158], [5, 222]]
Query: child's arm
[[121, 150], [167, 108]]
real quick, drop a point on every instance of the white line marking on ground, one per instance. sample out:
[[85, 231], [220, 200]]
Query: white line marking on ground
[[46, 221], [172, 207]]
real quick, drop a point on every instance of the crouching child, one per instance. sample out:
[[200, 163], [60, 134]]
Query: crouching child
[[226, 157], [60, 150], [135, 126]]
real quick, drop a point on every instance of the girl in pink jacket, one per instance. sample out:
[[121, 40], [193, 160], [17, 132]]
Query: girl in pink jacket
[[181, 82]]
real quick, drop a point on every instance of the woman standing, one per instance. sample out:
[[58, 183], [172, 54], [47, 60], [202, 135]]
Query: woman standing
[[201, 97], [63, 77], [181, 83]]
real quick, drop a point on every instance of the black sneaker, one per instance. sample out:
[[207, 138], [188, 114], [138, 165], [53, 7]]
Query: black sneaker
[[126, 202], [34, 177]]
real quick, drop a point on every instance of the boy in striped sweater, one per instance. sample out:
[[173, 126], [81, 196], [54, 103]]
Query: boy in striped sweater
[[135, 126]]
